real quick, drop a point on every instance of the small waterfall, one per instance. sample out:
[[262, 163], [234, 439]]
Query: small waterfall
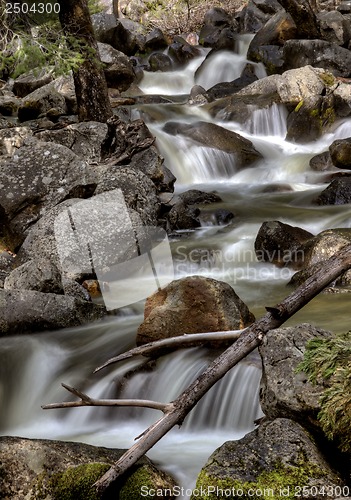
[[268, 121], [171, 82], [221, 67], [231, 405]]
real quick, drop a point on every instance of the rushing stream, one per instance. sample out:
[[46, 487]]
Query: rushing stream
[[33, 367]]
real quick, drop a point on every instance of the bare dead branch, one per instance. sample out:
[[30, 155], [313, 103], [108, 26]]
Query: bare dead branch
[[158, 347], [87, 401], [250, 338]]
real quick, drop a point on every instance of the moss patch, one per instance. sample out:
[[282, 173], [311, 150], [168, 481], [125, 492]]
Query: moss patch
[[328, 79], [281, 482], [146, 480], [76, 483], [298, 106]]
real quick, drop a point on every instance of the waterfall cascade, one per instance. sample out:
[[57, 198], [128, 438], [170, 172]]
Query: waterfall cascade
[[34, 366]]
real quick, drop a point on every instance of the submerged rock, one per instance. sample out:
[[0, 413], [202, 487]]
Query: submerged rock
[[216, 137], [61, 470], [192, 305]]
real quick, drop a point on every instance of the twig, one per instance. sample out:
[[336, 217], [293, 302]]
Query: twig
[[157, 347], [88, 401]]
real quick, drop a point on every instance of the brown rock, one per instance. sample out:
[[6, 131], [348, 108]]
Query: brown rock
[[192, 305]]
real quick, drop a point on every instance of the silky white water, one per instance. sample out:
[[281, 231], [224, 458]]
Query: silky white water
[[280, 187]]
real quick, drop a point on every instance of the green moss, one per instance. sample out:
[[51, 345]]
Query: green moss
[[298, 106], [281, 482], [328, 79], [324, 117], [142, 481], [76, 483]]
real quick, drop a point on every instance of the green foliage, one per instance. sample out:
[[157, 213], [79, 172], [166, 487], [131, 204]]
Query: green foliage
[[329, 361], [26, 53], [41, 44]]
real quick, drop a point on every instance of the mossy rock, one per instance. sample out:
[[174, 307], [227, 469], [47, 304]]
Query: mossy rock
[[276, 460], [39, 469], [76, 483], [310, 119], [281, 481]]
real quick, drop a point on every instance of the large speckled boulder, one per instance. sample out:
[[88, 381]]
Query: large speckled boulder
[[140, 193], [57, 470], [193, 304], [37, 177], [84, 139], [276, 460]]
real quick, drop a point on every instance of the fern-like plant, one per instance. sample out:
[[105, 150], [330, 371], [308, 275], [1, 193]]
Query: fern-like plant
[[328, 361]]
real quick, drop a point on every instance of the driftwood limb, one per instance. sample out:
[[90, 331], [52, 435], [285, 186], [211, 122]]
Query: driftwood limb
[[85, 400], [158, 347], [249, 339]]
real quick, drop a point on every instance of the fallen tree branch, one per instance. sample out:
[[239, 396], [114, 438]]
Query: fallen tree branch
[[158, 347], [88, 401], [250, 338]]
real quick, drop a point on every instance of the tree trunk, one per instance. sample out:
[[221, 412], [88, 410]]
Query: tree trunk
[[89, 79], [303, 13], [115, 8]]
